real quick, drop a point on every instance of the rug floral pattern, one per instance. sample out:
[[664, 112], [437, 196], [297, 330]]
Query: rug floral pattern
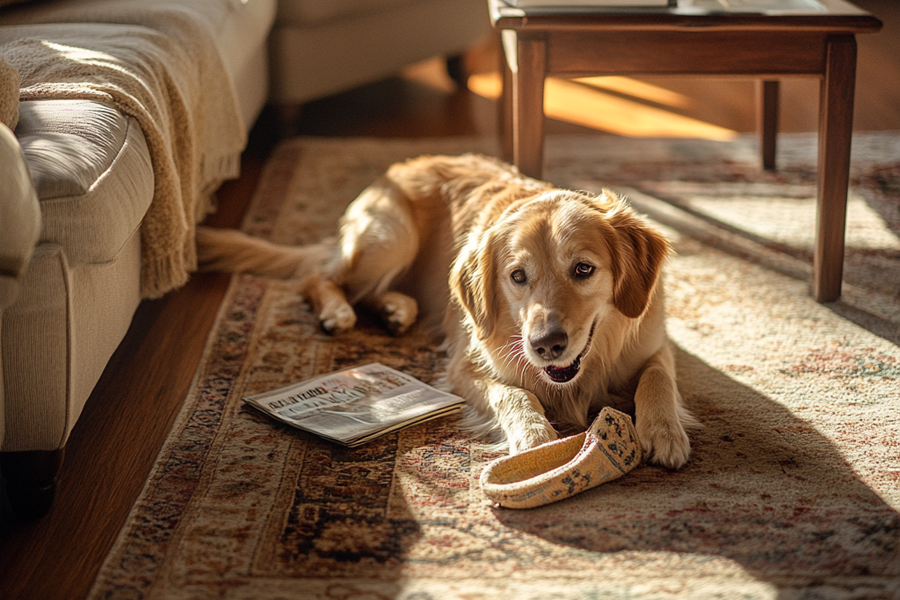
[[792, 491]]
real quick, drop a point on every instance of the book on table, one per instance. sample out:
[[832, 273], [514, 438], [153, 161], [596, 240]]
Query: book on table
[[590, 3], [737, 6], [356, 405]]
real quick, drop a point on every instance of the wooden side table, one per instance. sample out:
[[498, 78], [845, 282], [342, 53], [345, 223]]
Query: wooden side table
[[816, 40]]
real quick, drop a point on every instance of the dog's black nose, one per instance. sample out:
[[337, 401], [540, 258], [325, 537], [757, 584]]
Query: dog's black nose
[[549, 345]]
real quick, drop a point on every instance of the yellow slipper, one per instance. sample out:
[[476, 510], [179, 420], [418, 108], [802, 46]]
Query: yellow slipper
[[562, 468]]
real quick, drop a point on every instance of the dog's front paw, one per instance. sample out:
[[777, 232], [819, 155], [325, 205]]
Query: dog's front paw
[[665, 443], [530, 435]]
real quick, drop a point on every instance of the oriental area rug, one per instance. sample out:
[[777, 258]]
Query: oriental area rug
[[792, 490]]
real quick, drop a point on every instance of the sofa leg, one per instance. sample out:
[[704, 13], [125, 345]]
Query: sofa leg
[[456, 69], [287, 117], [31, 479]]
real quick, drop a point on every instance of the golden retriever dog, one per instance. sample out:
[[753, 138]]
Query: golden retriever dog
[[551, 300]]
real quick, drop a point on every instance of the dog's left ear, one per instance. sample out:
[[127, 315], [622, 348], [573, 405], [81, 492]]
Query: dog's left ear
[[472, 284], [638, 255]]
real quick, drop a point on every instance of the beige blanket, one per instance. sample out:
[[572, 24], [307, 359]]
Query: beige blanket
[[163, 68], [9, 95]]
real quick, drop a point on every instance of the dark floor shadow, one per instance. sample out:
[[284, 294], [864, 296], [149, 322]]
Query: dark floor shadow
[[883, 328], [763, 488], [881, 188]]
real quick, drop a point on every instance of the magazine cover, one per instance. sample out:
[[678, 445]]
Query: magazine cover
[[356, 405]]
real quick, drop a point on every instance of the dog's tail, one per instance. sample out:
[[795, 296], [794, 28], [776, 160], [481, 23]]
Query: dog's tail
[[233, 251]]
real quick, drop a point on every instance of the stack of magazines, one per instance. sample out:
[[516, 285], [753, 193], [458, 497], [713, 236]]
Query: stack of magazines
[[356, 405]]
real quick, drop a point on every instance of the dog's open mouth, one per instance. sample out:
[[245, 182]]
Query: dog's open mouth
[[563, 374], [568, 373]]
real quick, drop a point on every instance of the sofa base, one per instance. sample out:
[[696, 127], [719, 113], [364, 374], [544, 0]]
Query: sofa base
[[31, 480]]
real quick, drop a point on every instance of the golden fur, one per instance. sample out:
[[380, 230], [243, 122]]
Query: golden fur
[[554, 305]]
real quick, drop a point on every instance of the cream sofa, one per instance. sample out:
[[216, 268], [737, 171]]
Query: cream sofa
[[131, 114], [106, 161]]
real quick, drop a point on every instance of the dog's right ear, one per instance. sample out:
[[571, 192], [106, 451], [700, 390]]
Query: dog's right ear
[[639, 254], [472, 283]]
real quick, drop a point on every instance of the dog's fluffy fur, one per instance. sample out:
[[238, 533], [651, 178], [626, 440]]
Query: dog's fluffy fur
[[554, 304]]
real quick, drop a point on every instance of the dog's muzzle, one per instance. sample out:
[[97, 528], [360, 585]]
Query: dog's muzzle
[[568, 373]]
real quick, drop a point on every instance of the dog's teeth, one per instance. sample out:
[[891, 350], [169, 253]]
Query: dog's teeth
[[563, 374]]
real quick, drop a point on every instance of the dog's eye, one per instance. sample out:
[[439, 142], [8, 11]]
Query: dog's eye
[[583, 270], [518, 276]]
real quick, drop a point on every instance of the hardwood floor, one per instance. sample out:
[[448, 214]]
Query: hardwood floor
[[126, 419]]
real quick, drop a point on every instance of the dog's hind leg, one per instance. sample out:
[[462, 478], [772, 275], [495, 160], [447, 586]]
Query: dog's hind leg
[[330, 305], [398, 311], [379, 242]]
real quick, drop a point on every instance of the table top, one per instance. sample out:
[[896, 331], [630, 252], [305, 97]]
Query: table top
[[827, 15]]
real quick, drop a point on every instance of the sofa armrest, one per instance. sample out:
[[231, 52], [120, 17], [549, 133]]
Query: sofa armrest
[[20, 213], [20, 226]]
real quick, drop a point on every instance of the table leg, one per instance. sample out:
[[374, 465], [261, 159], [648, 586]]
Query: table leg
[[506, 110], [528, 105], [767, 121], [835, 136]]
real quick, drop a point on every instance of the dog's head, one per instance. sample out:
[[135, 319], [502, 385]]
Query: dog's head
[[551, 269]]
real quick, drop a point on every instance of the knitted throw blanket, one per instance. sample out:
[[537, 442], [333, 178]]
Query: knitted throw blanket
[[9, 95], [160, 65]]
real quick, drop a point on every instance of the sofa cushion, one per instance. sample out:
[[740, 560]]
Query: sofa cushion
[[313, 12], [91, 169], [310, 61], [69, 143]]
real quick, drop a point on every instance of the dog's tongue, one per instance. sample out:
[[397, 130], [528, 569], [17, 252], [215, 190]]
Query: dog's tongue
[[563, 374]]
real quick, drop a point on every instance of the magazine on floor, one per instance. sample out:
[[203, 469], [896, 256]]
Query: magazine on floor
[[356, 405]]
